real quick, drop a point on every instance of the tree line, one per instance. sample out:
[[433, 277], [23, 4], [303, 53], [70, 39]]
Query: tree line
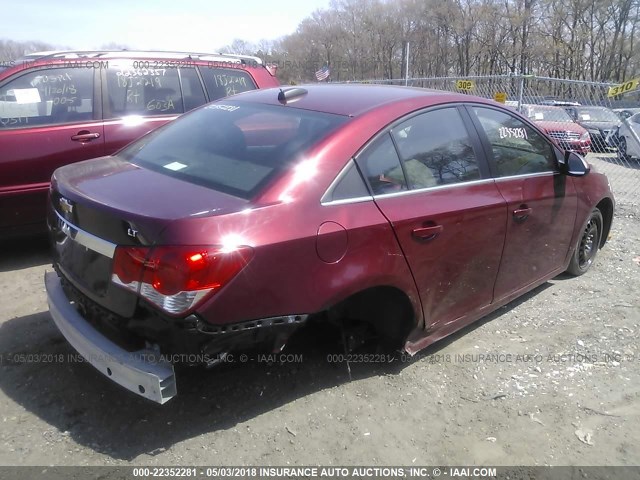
[[367, 39], [593, 40]]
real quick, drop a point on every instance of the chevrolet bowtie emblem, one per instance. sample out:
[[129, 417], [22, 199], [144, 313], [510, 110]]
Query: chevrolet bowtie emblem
[[66, 206]]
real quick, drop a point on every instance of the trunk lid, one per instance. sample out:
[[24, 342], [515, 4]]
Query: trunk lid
[[99, 204]]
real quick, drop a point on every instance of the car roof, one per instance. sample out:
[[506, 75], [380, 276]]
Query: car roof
[[351, 99], [106, 54], [544, 107], [560, 103]]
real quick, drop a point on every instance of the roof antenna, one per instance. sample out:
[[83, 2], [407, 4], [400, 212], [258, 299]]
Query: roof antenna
[[281, 96]]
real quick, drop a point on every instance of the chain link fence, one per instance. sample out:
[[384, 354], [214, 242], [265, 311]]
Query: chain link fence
[[578, 114]]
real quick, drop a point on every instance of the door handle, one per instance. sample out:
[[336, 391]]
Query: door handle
[[522, 213], [85, 136], [426, 234]]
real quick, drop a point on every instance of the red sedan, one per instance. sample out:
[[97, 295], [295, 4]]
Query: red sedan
[[415, 211]]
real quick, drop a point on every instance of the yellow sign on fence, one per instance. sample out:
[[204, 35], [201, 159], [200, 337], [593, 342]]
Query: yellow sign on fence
[[623, 87], [465, 85], [500, 97]]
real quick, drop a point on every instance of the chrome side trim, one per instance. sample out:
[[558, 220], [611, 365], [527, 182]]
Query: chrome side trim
[[141, 372], [86, 239], [528, 175], [437, 187], [344, 201]]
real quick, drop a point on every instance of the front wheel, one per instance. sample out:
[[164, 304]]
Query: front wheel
[[587, 246], [622, 149]]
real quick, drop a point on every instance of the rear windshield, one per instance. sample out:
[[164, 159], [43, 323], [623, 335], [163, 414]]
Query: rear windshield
[[233, 147]]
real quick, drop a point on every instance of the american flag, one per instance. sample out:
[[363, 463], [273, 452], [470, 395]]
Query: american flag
[[323, 73]]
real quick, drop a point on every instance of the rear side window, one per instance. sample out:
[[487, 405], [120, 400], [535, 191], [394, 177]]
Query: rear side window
[[143, 91], [232, 147], [517, 148], [222, 82], [192, 91], [47, 97], [381, 165], [349, 186]]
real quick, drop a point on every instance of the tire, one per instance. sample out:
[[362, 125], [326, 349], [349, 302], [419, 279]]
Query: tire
[[622, 149], [587, 246]]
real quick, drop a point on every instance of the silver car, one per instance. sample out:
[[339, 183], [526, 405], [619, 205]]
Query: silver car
[[629, 138]]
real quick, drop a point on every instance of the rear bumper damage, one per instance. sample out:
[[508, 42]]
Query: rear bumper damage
[[141, 372], [150, 373]]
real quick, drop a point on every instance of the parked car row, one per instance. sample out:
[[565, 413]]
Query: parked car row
[[580, 128]]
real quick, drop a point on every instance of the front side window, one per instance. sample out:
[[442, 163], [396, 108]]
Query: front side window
[[47, 97], [518, 149], [235, 148], [143, 91], [435, 149], [222, 82]]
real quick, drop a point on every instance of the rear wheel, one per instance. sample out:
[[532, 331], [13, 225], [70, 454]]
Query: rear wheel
[[588, 245]]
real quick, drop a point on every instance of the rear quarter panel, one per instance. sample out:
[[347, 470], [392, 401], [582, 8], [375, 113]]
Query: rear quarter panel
[[286, 275]]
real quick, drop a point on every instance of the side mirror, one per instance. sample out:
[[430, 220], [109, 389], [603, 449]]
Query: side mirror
[[574, 165]]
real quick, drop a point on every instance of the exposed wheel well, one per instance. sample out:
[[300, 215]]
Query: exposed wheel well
[[606, 208], [387, 309]]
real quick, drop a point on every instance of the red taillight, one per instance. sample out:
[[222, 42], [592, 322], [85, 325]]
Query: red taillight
[[177, 278], [128, 263]]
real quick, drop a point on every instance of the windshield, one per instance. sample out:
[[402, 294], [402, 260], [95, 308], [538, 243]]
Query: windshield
[[549, 114], [234, 147], [597, 115]]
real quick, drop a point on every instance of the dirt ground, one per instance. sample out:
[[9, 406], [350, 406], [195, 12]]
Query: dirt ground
[[551, 379]]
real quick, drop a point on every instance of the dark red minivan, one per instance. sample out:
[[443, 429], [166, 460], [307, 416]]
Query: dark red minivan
[[58, 108], [414, 211]]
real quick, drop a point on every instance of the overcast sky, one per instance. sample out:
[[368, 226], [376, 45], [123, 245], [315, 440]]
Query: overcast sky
[[193, 25]]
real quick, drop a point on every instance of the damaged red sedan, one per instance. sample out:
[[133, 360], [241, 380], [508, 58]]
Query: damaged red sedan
[[415, 211]]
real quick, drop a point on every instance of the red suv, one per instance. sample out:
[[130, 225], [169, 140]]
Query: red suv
[[557, 123], [62, 107], [412, 211]]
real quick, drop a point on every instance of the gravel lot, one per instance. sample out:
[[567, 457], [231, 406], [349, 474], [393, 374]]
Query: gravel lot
[[551, 379]]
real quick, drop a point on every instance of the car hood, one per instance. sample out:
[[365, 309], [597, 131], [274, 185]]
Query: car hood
[[564, 126], [598, 125]]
